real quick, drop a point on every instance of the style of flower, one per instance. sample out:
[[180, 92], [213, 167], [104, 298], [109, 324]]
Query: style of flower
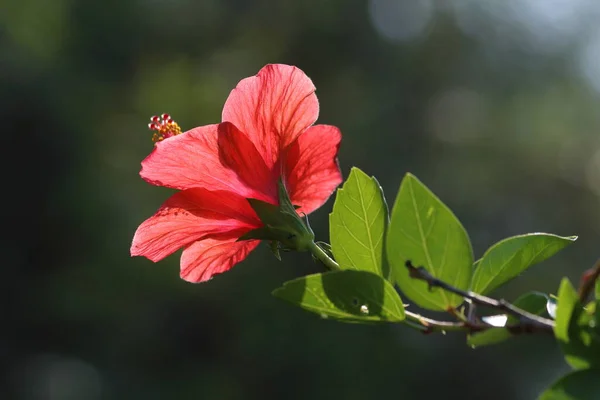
[[267, 135]]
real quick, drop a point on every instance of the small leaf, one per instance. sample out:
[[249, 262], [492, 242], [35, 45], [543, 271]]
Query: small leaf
[[510, 257], [284, 199], [274, 246], [358, 224], [488, 337], [533, 302], [282, 224], [422, 229], [578, 385], [577, 330], [348, 296]]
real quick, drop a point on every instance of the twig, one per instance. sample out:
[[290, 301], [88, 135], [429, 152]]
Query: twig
[[428, 325], [528, 322], [588, 281]]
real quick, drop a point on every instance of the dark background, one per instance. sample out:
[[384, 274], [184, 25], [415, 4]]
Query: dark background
[[493, 104]]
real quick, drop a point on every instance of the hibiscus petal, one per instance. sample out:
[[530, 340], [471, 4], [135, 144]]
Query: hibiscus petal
[[191, 160], [312, 170], [207, 257], [273, 108], [188, 216], [239, 154]]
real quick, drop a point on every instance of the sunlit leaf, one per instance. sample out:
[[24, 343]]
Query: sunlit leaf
[[357, 224], [577, 330], [533, 302], [578, 385], [348, 296], [510, 257], [423, 230]]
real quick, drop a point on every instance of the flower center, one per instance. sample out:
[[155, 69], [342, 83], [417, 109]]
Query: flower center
[[164, 127]]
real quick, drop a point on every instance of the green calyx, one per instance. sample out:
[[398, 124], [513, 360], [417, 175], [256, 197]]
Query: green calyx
[[283, 227]]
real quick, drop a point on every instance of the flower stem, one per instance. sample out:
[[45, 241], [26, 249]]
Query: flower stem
[[320, 255]]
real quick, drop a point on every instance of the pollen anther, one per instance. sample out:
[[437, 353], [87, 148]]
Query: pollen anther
[[164, 127]]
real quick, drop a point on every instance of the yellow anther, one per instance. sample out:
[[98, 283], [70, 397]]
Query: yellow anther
[[164, 127]]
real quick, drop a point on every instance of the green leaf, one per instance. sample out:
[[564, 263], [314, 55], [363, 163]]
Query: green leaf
[[358, 224], [422, 229], [577, 330], [348, 296], [486, 338], [578, 385], [533, 302], [508, 258], [598, 289], [566, 303]]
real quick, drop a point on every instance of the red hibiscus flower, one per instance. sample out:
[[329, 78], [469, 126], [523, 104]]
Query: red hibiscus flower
[[267, 135]]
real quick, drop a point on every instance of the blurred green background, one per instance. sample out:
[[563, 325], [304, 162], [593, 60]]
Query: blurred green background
[[492, 104]]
